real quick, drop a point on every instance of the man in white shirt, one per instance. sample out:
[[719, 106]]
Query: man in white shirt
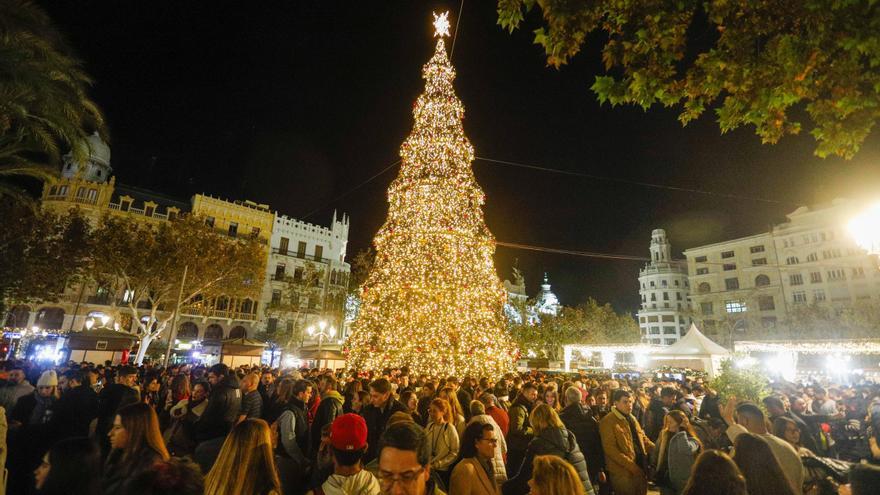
[[750, 418]]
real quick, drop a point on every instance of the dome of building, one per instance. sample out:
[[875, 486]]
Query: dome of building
[[547, 302], [99, 152], [94, 169]]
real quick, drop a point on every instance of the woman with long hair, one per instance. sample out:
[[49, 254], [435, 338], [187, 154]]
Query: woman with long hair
[[474, 473], [442, 438], [551, 398], [70, 467], [678, 447], [715, 473], [551, 438], [449, 395], [136, 443], [763, 473], [786, 429], [553, 476], [246, 464], [280, 400]]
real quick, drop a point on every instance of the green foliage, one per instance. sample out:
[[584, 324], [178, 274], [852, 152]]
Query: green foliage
[[149, 261], [44, 107], [589, 323], [751, 62], [748, 383], [40, 253]]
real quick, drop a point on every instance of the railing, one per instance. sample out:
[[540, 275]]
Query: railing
[[218, 313], [85, 200], [300, 256], [113, 206], [139, 211]]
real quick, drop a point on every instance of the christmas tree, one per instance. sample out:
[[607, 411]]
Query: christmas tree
[[432, 301]]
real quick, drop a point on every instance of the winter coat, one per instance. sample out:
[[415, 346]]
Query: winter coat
[[74, 412], [444, 445], [680, 455], [362, 483], [251, 405], [501, 418], [520, 433], [654, 418], [293, 431], [552, 441], [500, 450], [470, 478], [376, 420], [112, 398], [329, 408], [617, 444], [579, 419], [10, 394], [224, 404], [117, 476], [33, 409]]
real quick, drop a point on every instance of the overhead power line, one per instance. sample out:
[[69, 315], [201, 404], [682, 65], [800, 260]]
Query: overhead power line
[[353, 189], [627, 181]]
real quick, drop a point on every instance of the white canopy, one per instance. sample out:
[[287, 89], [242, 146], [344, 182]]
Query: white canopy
[[693, 346]]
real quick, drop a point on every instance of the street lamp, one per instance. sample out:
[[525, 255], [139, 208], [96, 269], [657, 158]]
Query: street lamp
[[90, 323], [865, 229], [104, 320], [322, 333]]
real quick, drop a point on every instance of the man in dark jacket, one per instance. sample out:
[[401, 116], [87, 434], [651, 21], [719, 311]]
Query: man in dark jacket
[[382, 405], [657, 410], [224, 404], [776, 408], [76, 408], [112, 398], [579, 420], [520, 433], [329, 408]]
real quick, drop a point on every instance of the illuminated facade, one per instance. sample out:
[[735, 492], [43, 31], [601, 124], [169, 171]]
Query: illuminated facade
[[664, 289]]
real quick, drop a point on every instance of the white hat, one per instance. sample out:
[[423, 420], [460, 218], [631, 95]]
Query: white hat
[[48, 379]]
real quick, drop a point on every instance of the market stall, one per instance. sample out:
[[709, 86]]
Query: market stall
[[694, 351], [99, 345], [241, 351]]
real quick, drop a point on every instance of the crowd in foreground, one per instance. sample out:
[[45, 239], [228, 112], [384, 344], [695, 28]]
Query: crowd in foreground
[[124, 430]]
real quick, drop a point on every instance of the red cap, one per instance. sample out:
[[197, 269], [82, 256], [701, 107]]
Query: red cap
[[348, 432]]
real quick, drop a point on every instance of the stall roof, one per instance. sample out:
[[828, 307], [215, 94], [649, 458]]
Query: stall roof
[[693, 345]]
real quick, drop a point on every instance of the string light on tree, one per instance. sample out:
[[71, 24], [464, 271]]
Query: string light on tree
[[432, 301]]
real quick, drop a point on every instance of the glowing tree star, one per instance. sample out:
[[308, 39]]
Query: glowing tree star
[[432, 301], [441, 24]]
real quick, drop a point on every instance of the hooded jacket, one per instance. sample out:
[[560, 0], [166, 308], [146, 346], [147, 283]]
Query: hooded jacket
[[329, 408], [579, 419], [362, 483], [224, 403], [552, 441]]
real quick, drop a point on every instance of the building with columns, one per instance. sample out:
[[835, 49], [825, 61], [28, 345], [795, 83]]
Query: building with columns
[[91, 187], [754, 283], [664, 288]]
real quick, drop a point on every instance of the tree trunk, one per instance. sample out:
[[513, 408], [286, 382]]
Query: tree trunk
[[146, 340]]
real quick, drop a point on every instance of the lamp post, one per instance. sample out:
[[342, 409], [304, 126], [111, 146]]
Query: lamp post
[[322, 333], [865, 230], [90, 323]]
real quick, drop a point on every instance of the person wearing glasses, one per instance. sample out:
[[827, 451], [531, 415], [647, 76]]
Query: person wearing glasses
[[404, 461], [475, 472]]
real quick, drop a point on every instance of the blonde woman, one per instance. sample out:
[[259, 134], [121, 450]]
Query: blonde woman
[[553, 476], [442, 438], [551, 439], [679, 447], [449, 395], [245, 465]]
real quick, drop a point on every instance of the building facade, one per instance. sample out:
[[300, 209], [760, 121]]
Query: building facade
[[92, 188], [664, 288], [752, 284], [306, 262]]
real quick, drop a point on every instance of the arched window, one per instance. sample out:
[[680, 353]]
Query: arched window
[[188, 331], [762, 281], [214, 332], [704, 288], [247, 306], [50, 318], [237, 332], [222, 303], [18, 317]]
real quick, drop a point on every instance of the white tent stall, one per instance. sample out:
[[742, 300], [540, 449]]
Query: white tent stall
[[695, 351]]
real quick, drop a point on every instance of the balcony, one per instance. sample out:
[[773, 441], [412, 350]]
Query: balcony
[[218, 313], [300, 256], [104, 300]]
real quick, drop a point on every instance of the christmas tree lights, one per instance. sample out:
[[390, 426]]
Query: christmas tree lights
[[432, 301]]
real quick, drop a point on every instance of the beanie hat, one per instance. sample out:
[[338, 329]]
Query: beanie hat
[[48, 379], [348, 433]]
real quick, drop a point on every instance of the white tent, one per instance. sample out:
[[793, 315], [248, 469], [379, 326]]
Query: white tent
[[691, 350]]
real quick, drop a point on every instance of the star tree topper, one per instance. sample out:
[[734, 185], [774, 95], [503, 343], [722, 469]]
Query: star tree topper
[[441, 24]]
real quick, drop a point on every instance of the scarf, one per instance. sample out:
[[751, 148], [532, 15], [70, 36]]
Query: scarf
[[42, 410]]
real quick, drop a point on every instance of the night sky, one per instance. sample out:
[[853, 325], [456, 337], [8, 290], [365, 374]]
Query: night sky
[[294, 103]]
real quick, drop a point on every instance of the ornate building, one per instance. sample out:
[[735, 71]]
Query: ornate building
[[92, 188], [664, 289]]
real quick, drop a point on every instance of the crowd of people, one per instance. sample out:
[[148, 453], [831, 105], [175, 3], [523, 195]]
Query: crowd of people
[[187, 429]]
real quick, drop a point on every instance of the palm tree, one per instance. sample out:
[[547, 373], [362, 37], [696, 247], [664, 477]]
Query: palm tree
[[44, 107]]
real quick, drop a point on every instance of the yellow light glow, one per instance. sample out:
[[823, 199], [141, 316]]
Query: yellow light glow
[[441, 24], [865, 229], [432, 301]]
